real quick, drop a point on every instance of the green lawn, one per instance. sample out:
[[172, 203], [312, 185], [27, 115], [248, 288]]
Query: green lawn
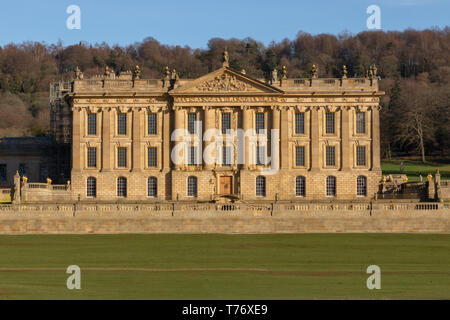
[[412, 167], [300, 266]]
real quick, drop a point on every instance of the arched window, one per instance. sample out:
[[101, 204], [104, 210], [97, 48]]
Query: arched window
[[300, 186], [152, 187], [91, 187], [122, 187], [331, 186], [260, 186], [361, 186], [192, 186]]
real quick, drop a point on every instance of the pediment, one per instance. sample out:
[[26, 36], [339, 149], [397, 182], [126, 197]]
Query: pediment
[[225, 80]]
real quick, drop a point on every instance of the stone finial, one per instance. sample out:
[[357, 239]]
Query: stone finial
[[49, 181], [284, 72], [166, 73], [225, 58], [344, 71], [137, 73], [107, 71], [24, 179], [174, 75], [68, 182], [429, 177], [274, 75], [243, 71], [373, 71], [78, 73], [314, 71]]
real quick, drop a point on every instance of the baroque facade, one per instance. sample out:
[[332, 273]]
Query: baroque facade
[[147, 139]]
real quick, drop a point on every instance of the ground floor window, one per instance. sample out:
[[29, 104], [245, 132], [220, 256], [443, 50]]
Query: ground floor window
[[331, 186], [300, 186], [192, 187], [122, 187], [152, 186], [91, 187], [261, 186], [361, 186]]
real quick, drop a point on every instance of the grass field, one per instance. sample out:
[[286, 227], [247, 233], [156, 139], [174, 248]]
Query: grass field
[[300, 266], [412, 167]]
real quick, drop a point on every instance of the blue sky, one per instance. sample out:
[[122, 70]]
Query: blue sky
[[194, 22]]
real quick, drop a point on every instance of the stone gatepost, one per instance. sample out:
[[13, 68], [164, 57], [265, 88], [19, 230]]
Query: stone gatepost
[[16, 191], [437, 182]]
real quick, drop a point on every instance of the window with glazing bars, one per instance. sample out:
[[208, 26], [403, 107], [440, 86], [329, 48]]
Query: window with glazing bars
[[331, 186], [122, 157], [91, 157], [192, 186], [226, 156], [300, 186], [2, 172], [192, 156], [226, 122], [121, 123], [260, 155], [260, 186], [300, 123], [300, 156], [360, 155], [152, 123], [329, 122], [122, 187], [360, 122], [192, 123], [361, 186], [330, 156], [92, 123], [152, 156], [152, 187], [259, 122], [91, 187]]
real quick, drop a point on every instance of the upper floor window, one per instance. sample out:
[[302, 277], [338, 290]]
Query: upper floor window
[[91, 157], [259, 122], [330, 156], [360, 155], [121, 123], [360, 122], [122, 157], [92, 124], [300, 156], [260, 155], [300, 123], [226, 122], [329, 122], [226, 156], [152, 156], [192, 156], [192, 123], [152, 123], [2, 172]]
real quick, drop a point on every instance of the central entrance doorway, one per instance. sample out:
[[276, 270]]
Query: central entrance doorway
[[226, 185]]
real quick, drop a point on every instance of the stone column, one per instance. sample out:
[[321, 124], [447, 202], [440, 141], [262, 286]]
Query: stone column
[[315, 148], [246, 125], [179, 119], [166, 139], [106, 139], [209, 116], [345, 139], [376, 166], [136, 140], [284, 137], [76, 147]]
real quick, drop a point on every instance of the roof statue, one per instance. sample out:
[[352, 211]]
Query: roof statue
[[225, 59], [314, 71], [344, 71], [284, 72], [137, 73]]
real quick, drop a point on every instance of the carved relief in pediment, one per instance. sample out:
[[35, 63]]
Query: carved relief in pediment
[[223, 82]]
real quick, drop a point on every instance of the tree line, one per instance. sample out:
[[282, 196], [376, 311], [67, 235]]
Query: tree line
[[414, 66]]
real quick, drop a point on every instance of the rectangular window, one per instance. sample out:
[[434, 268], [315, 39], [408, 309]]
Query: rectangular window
[[226, 122], [152, 156], [260, 155], [92, 123], [360, 122], [22, 169], [259, 122], [329, 122], [300, 123], [226, 156], [122, 157], [300, 156], [2, 172], [121, 123], [192, 123], [360, 155], [152, 123], [330, 156], [192, 156], [92, 157]]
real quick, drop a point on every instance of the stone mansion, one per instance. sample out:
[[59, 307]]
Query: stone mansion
[[141, 139]]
